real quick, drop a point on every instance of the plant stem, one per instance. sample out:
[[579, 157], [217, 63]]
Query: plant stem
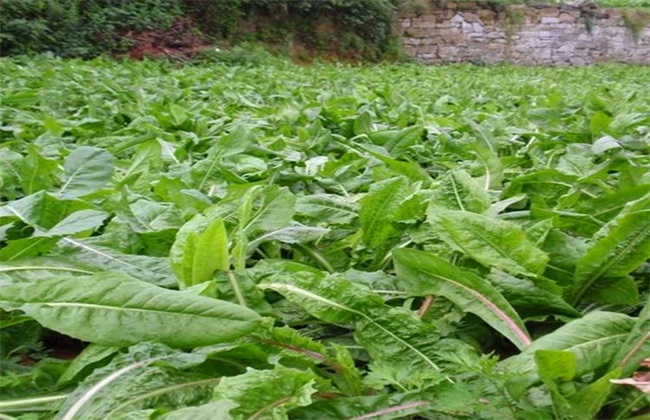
[[426, 305], [235, 288], [26, 402], [318, 257]]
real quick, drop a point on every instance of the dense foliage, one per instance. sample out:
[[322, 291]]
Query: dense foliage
[[88, 28], [79, 28], [324, 242]]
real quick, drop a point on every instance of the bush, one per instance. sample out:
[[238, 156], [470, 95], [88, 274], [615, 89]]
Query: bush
[[79, 28], [87, 28], [276, 21]]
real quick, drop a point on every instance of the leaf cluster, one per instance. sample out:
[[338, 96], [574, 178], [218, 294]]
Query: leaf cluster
[[331, 241]]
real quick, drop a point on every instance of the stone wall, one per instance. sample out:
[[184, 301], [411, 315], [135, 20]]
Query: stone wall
[[560, 35]]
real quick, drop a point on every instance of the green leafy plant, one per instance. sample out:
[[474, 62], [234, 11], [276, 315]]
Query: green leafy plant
[[234, 240]]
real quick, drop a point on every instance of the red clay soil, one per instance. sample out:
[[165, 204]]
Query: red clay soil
[[179, 42]]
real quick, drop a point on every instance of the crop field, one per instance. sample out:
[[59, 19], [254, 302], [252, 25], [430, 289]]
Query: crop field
[[274, 241]]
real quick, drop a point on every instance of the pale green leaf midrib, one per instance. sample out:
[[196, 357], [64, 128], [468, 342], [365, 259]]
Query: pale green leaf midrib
[[610, 262], [503, 253], [161, 391], [72, 176], [380, 212], [123, 308], [588, 343], [472, 291], [321, 299]]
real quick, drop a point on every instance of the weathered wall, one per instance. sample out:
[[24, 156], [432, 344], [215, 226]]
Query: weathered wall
[[531, 35]]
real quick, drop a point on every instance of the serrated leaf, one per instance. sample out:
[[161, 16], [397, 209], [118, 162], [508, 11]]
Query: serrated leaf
[[116, 310], [532, 296], [425, 274], [269, 393], [594, 339], [149, 373], [384, 407], [326, 208], [215, 410], [637, 345], [492, 242], [618, 248], [391, 336], [459, 191], [378, 208]]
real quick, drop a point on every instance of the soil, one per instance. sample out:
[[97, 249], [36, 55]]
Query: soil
[[180, 42]]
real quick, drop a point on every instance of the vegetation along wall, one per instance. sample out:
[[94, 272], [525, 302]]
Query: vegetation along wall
[[525, 34]]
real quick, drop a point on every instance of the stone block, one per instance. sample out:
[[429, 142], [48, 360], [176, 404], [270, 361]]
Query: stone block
[[457, 19], [549, 19], [486, 15], [424, 23], [470, 17], [567, 17], [549, 12]]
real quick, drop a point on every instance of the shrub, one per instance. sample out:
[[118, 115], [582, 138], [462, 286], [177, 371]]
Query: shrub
[[79, 28]]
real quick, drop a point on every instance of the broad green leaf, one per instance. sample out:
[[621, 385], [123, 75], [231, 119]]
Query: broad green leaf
[[378, 208], [411, 170], [34, 269], [206, 171], [532, 296], [587, 402], [606, 207], [326, 208], [86, 255], [555, 365], [148, 372], [238, 287], [385, 407], [77, 222], [618, 248], [291, 348], [459, 191], [599, 122], [391, 336], [209, 253], [543, 186], [42, 209], [395, 141], [271, 208], [292, 234], [594, 339], [637, 345], [93, 354], [87, 169], [116, 310], [148, 217], [605, 144], [617, 291], [269, 393], [21, 249], [492, 242], [215, 410], [564, 251], [423, 274], [36, 172]]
